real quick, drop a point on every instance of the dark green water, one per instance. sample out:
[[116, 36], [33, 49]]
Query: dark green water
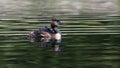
[[88, 41]]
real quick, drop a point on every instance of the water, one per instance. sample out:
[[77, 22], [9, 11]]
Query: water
[[88, 40]]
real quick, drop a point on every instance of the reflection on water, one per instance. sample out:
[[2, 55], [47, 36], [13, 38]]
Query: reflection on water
[[89, 40]]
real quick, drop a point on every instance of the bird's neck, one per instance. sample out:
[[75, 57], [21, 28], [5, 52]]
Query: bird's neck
[[55, 29]]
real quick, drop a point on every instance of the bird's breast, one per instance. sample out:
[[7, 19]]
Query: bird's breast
[[57, 36]]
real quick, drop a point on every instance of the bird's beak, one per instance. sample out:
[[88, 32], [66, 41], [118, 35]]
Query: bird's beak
[[59, 23]]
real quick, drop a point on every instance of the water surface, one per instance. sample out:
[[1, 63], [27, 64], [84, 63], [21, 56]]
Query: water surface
[[89, 40]]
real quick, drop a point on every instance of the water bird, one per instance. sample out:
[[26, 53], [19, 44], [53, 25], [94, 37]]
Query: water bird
[[45, 34]]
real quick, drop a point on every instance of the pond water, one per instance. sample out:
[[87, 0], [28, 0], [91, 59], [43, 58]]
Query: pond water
[[88, 40]]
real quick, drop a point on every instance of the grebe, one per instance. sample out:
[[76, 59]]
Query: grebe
[[46, 34]]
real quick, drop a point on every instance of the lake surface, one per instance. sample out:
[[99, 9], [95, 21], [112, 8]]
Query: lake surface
[[88, 40]]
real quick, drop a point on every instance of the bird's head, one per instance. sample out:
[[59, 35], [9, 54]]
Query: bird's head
[[55, 23]]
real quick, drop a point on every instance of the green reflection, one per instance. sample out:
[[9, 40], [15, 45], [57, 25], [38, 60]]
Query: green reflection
[[89, 40]]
